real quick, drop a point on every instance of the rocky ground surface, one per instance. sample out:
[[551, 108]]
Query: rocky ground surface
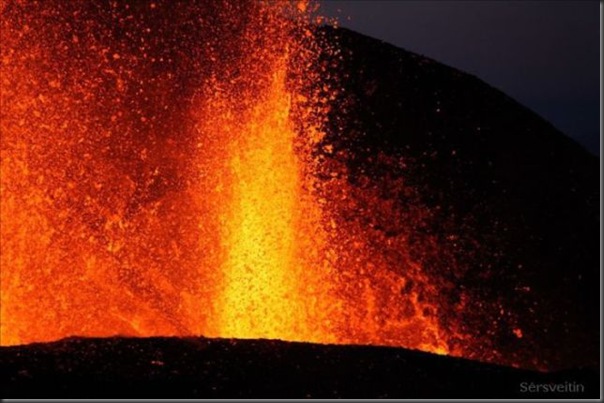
[[225, 368]]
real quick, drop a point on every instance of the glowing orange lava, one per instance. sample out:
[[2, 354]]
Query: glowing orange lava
[[159, 177]]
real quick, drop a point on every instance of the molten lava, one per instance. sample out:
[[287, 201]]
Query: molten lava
[[164, 172], [264, 274]]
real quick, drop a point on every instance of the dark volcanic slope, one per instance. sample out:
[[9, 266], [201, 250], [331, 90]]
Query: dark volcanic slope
[[512, 202], [214, 368]]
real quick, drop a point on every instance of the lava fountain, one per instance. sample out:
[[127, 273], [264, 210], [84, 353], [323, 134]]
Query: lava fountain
[[164, 172]]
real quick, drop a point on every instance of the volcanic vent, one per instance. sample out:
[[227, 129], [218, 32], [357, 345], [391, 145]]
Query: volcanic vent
[[176, 168]]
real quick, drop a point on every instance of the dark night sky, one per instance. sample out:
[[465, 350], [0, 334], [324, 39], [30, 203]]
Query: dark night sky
[[544, 54]]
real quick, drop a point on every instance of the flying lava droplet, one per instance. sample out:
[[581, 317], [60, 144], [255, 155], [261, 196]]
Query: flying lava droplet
[[161, 176]]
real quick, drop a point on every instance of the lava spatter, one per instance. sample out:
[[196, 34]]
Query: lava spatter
[[164, 172]]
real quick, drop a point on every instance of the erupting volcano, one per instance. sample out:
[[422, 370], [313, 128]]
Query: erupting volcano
[[176, 168], [151, 187]]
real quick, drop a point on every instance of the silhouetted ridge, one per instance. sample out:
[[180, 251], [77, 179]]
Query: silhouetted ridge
[[521, 197], [226, 368]]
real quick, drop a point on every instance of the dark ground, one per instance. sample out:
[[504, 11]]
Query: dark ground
[[221, 368]]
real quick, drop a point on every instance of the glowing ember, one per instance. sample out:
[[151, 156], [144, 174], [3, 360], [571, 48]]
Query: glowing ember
[[160, 176]]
